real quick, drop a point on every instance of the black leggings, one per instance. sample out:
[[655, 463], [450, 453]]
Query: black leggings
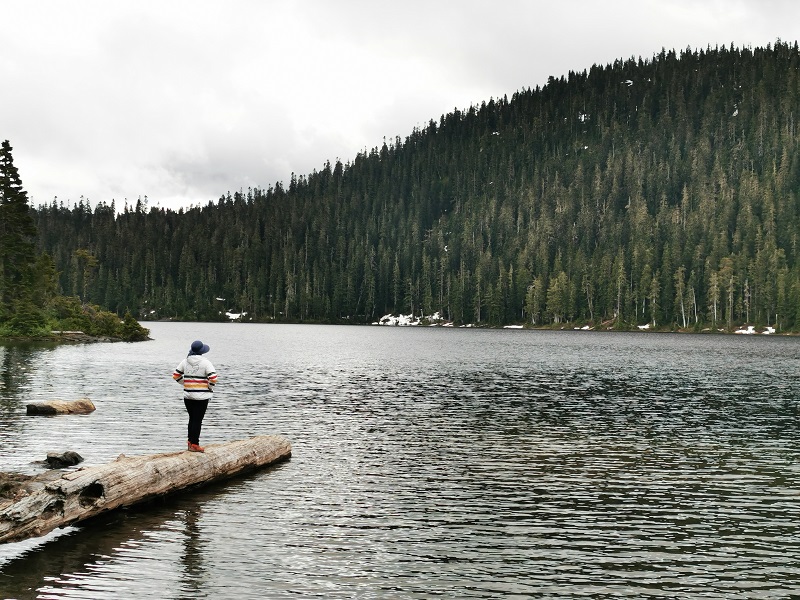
[[196, 410]]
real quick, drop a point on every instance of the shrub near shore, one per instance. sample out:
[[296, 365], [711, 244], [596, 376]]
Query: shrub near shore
[[68, 314]]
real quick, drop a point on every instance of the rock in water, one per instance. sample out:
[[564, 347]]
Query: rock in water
[[69, 458]]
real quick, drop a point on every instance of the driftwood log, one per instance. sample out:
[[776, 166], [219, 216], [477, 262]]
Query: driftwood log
[[61, 407], [53, 501]]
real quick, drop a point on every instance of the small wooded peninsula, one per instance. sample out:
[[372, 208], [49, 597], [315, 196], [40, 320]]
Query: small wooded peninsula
[[661, 192], [31, 305]]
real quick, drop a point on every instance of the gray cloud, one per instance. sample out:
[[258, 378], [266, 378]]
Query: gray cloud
[[186, 100]]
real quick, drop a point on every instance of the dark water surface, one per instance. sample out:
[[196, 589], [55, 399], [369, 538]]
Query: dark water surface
[[429, 462]]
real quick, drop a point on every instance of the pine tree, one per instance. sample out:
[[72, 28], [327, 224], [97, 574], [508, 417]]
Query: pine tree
[[17, 234]]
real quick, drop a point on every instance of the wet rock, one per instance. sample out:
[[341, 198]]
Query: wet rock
[[69, 458]]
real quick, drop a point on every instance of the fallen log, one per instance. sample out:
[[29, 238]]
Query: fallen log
[[61, 407], [37, 509]]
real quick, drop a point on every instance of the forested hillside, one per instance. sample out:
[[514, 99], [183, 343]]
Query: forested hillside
[[661, 191]]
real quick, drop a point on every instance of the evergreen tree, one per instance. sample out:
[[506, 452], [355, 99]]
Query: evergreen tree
[[29, 303], [17, 237]]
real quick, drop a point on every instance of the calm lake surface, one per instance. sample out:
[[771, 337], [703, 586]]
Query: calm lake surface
[[429, 462]]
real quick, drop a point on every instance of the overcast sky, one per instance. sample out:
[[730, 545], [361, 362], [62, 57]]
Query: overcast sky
[[184, 100]]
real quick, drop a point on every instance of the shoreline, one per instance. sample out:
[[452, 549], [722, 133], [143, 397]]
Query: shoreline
[[65, 337], [79, 337]]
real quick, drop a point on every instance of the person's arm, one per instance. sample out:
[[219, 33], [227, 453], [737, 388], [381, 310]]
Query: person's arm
[[211, 373], [177, 375]]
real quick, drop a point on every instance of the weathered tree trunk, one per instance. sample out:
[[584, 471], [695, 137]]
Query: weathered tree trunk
[[90, 491], [61, 407]]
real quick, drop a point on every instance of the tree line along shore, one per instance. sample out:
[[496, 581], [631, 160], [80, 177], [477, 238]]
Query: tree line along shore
[[658, 192]]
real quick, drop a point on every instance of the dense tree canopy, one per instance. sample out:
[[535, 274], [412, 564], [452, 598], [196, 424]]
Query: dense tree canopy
[[29, 304], [27, 279], [661, 191]]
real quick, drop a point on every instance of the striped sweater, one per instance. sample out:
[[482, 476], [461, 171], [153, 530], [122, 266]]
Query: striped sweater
[[198, 377]]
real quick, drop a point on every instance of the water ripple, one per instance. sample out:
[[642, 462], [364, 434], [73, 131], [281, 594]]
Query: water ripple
[[435, 463]]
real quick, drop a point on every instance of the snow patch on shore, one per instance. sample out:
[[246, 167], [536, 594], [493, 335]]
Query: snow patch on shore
[[413, 321], [751, 330]]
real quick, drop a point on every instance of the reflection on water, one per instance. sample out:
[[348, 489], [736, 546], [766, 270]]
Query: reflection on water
[[435, 462], [16, 361]]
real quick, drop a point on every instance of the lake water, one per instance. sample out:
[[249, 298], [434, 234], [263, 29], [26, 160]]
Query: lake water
[[429, 462]]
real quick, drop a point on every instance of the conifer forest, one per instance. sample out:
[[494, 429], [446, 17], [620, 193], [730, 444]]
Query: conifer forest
[[661, 192]]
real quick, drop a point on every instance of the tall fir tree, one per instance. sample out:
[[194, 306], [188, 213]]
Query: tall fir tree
[[17, 236]]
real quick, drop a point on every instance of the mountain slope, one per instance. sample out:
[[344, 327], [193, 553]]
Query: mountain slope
[[661, 191]]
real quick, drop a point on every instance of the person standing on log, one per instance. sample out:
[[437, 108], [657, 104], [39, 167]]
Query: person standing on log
[[198, 377]]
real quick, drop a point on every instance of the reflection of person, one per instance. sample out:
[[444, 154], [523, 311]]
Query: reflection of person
[[198, 377], [192, 574]]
